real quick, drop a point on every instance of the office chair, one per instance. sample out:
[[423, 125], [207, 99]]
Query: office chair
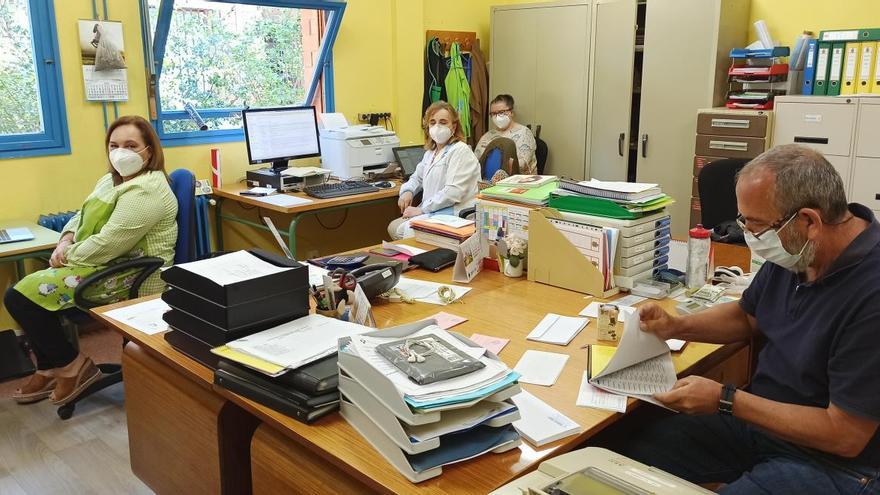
[[717, 187], [541, 153], [500, 154], [86, 295]]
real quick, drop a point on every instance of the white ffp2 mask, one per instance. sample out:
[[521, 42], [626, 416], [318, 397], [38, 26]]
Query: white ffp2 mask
[[440, 134], [126, 162], [501, 121], [769, 246]]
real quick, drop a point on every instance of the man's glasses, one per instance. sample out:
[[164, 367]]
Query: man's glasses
[[741, 221]]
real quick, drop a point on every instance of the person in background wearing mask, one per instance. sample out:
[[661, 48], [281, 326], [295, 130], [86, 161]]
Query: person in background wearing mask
[[808, 421], [447, 175], [501, 113], [131, 213]]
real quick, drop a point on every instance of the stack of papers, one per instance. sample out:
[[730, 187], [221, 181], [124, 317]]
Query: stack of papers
[[540, 424], [557, 329], [610, 199], [473, 386], [290, 345], [428, 292], [540, 368], [232, 268]]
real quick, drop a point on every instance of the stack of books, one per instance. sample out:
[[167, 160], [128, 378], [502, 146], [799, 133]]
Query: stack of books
[[446, 231], [291, 368], [532, 190], [623, 200], [419, 428], [216, 300]]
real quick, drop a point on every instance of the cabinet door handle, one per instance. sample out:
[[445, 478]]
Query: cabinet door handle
[[810, 140], [620, 144], [644, 146]]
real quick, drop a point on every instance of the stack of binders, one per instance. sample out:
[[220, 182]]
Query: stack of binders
[[217, 300], [418, 437]]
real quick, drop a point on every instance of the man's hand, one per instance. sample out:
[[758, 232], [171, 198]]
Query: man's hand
[[405, 200], [692, 395], [412, 211], [656, 320], [58, 258]]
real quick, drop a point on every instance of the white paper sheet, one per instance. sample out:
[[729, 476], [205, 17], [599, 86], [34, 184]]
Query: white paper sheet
[[629, 300], [316, 274], [623, 187], [540, 368], [298, 342], [362, 312], [449, 220], [590, 396], [557, 329], [423, 291], [541, 423], [145, 317], [675, 345], [305, 171], [232, 268], [402, 248], [283, 200], [593, 310]]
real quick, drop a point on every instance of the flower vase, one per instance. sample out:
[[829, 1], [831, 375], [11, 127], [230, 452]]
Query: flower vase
[[513, 271]]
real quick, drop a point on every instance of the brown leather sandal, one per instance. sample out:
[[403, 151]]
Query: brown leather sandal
[[39, 387], [73, 379]]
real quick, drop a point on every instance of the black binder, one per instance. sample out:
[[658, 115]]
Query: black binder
[[319, 377], [192, 347], [276, 386], [271, 400], [287, 305], [245, 291], [216, 336]]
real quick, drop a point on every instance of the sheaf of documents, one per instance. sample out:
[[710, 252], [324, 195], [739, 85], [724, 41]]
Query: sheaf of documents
[[232, 268], [641, 367]]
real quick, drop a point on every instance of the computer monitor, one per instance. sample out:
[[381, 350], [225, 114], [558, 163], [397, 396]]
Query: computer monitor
[[280, 134], [408, 157]]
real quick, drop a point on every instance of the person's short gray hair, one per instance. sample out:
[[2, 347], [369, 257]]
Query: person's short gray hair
[[804, 179]]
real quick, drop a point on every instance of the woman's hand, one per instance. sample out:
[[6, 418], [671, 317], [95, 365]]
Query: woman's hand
[[412, 211], [58, 258], [405, 201]]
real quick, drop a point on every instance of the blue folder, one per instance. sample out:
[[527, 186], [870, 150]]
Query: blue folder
[[810, 67]]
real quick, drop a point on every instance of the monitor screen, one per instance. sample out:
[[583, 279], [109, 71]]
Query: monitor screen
[[280, 134], [409, 157]]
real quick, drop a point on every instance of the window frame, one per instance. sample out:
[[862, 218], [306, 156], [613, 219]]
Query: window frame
[[154, 51], [55, 138]]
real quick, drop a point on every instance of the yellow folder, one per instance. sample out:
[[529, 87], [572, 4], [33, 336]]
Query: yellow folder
[[850, 76], [866, 66], [875, 72]]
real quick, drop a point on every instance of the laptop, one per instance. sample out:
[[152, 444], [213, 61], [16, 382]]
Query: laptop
[[408, 157], [16, 235]]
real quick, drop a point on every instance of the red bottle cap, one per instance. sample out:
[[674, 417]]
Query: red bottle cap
[[699, 232]]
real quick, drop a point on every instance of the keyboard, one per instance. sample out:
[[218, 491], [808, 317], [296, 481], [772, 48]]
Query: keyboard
[[4, 236], [337, 189]]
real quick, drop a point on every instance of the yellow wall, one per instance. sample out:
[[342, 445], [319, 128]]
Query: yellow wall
[[789, 18]]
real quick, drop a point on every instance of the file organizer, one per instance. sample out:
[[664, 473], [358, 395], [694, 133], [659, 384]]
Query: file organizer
[[756, 77], [554, 260], [374, 407]]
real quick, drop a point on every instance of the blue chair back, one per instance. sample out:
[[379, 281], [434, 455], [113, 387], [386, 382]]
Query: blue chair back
[[183, 185], [493, 164]]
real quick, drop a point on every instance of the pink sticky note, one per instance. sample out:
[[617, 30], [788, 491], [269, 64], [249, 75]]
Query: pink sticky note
[[492, 344], [447, 320]]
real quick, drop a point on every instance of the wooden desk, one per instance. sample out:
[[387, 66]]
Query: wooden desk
[[41, 246], [177, 422], [298, 212]]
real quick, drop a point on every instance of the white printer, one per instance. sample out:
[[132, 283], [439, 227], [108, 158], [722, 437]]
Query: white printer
[[354, 150]]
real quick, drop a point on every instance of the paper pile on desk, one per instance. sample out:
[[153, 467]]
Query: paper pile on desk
[[292, 344], [476, 385]]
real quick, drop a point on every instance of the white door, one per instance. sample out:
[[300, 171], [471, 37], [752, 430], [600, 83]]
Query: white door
[[677, 80], [562, 88], [513, 59], [611, 81]]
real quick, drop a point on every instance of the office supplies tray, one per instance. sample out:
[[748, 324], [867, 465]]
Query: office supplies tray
[[216, 336], [245, 291], [289, 304], [384, 391], [391, 451]]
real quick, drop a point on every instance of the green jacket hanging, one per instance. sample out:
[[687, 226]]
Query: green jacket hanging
[[458, 90]]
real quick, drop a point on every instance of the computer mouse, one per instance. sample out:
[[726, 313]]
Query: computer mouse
[[383, 184]]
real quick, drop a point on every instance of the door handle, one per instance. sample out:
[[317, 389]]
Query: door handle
[[644, 146], [620, 144]]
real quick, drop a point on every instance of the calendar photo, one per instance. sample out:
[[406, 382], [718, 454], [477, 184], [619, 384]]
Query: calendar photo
[[102, 49]]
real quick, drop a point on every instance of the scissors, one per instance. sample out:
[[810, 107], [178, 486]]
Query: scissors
[[346, 280]]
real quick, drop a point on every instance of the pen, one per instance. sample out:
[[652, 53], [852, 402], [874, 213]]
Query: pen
[[589, 362]]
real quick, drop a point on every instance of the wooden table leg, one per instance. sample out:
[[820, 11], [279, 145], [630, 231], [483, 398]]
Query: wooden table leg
[[183, 437]]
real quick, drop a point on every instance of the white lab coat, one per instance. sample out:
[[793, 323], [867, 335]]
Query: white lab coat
[[450, 181]]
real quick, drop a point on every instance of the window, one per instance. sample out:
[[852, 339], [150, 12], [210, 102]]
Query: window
[[32, 112], [220, 56]]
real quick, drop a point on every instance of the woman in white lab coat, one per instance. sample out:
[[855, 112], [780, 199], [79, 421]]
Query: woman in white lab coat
[[447, 176]]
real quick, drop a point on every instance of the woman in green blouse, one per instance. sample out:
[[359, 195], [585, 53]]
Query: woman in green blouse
[[131, 213]]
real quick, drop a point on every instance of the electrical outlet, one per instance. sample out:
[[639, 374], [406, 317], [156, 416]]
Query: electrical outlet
[[364, 117], [367, 117]]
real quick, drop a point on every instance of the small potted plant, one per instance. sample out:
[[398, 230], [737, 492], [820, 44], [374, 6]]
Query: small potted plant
[[513, 251]]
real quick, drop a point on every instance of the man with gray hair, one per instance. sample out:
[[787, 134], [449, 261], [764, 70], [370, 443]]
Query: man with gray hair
[[808, 421]]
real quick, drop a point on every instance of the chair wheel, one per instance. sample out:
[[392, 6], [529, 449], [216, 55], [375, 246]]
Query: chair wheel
[[66, 411]]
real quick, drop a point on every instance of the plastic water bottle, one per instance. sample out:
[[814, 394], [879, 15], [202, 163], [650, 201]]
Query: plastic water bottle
[[699, 257]]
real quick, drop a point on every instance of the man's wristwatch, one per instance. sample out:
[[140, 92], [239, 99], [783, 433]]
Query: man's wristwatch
[[725, 405]]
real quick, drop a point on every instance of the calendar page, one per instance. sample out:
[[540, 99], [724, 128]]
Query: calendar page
[[107, 85]]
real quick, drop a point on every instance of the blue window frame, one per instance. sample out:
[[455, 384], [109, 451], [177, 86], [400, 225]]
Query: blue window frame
[[155, 43], [41, 127]]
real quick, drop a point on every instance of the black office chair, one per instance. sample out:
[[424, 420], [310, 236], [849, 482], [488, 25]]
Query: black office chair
[[541, 153], [91, 293], [717, 187]]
